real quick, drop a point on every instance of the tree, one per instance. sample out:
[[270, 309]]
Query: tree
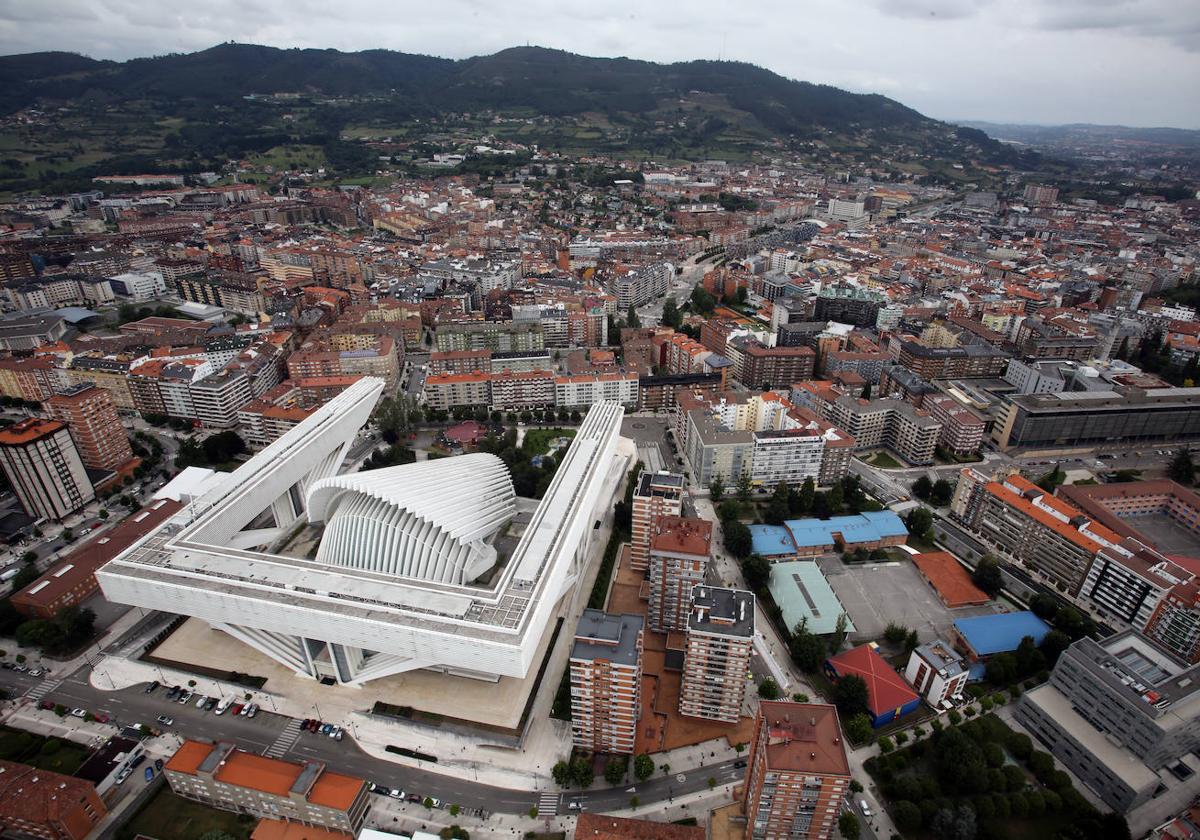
[[839, 633], [581, 772], [850, 695], [943, 490], [1182, 469], [804, 499], [911, 641], [907, 815], [561, 773], [701, 301], [1053, 644], [744, 487], [738, 540], [1043, 605], [614, 771], [858, 728], [922, 487], [848, 826], [716, 489], [987, 575], [756, 569], [768, 689], [920, 523], [808, 651], [866, 391], [957, 824], [777, 508], [631, 318], [671, 316], [643, 767]]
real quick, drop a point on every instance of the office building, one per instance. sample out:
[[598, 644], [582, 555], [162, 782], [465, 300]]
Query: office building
[[657, 494], [403, 602], [797, 773], [47, 805], [91, 417], [679, 551], [222, 776], [1099, 418], [44, 468], [1118, 714], [716, 659], [606, 679]]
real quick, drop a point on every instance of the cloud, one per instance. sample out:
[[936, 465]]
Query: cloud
[[931, 10]]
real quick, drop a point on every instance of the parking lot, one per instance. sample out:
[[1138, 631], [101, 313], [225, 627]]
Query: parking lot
[[876, 594]]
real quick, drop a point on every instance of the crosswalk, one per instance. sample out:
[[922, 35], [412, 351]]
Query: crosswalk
[[547, 805], [43, 688], [286, 739]]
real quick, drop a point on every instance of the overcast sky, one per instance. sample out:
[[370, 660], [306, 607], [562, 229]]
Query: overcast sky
[[1133, 62]]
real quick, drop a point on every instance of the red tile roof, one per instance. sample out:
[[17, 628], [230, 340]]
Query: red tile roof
[[886, 689]]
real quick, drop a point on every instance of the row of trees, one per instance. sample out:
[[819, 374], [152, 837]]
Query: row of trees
[[937, 493], [214, 450]]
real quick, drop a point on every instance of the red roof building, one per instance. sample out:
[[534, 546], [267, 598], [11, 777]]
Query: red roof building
[[889, 696]]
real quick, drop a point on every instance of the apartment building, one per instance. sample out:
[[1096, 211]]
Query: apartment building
[[44, 469], [519, 391], [108, 372], [216, 399], [91, 416], [497, 336], [461, 361], [962, 429], [450, 390], [848, 304], [222, 776], [1117, 713], [898, 426], [797, 773], [1044, 533], [716, 659], [1129, 586], [967, 361], [762, 367], [938, 672], [657, 494], [30, 378], [680, 548], [642, 285], [581, 390], [606, 677], [47, 805]]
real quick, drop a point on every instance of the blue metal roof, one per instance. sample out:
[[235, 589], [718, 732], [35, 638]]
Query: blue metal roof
[[771, 540], [992, 634], [794, 534]]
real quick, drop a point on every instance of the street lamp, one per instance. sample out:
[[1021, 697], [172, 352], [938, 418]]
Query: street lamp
[[317, 709]]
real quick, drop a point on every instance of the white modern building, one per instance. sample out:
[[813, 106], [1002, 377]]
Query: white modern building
[[390, 589]]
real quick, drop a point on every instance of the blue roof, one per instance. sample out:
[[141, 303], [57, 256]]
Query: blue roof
[[771, 540], [991, 634], [862, 527]]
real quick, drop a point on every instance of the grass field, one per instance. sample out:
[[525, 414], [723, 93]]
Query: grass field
[[884, 461], [43, 753], [537, 441], [171, 817]]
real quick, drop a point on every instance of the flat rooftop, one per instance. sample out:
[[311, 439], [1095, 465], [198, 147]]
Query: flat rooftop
[[804, 738], [728, 612], [803, 594], [600, 635]]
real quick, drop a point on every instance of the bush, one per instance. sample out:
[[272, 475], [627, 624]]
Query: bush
[[901, 738], [885, 744], [954, 717], [907, 815]]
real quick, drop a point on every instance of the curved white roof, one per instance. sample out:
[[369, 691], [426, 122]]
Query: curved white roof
[[427, 520]]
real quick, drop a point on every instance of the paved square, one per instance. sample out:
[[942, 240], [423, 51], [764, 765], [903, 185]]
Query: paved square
[[1167, 534], [876, 594]]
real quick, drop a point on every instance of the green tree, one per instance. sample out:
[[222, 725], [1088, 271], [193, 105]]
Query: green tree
[[907, 815], [858, 728], [702, 302], [838, 636], [920, 523], [744, 487], [738, 540], [561, 773], [804, 499], [807, 649], [848, 826], [756, 569], [643, 767], [631, 318], [850, 695], [922, 487], [614, 771], [1182, 469], [768, 689], [671, 316], [956, 824], [716, 489], [943, 490], [777, 508], [581, 772], [987, 575]]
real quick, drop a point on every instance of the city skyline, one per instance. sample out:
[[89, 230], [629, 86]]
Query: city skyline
[[1030, 62]]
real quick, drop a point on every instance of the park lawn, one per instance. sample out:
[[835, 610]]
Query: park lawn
[[27, 747], [537, 441], [169, 816], [884, 461]]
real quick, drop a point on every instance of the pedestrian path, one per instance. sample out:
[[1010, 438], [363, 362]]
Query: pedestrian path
[[286, 739], [43, 688], [548, 802]]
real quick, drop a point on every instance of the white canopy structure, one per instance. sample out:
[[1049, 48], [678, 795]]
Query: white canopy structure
[[428, 520]]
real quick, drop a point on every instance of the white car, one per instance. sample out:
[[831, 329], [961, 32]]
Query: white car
[[79, 713]]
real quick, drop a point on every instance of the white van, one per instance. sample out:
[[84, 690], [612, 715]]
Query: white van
[[221, 707]]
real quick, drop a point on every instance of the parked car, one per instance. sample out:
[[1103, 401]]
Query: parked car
[[251, 710], [158, 764], [165, 720], [413, 797], [245, 708], [20, 667], [123, 775], [739, 764], [79, 713], [326, 728], [211, 704], [865, 808], [335, 732], [236, 708], [396, 794], [149, 774], [173, 692], [153, 687], [437, 803], [305, 724], [185, 695], [201, 700], [101, 717], [137, 762], [46, 704], [36, 672]]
